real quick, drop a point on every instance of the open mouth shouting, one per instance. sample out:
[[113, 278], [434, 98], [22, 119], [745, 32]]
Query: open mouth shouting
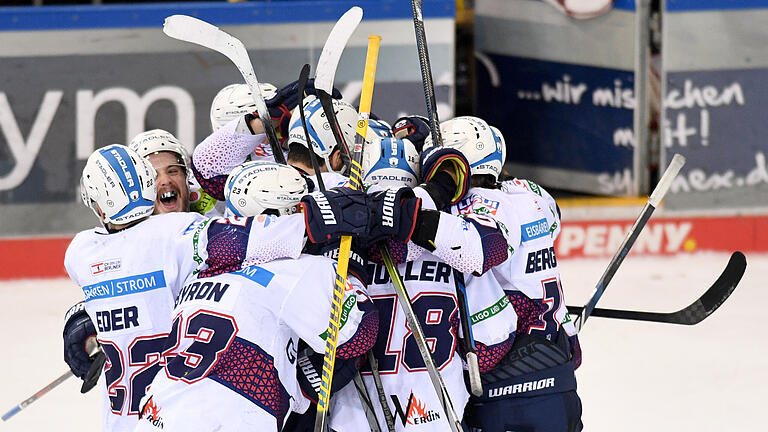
[[168, 201]]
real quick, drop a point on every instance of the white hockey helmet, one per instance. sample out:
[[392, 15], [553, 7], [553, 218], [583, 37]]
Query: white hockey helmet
[[390, 162], [482, 144], [120, 182], [158, 140], [259, 186], [378, 128], [319, 129], [234, 101]]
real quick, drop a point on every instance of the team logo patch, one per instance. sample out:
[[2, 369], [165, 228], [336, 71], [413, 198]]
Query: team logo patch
[[478, 205], [106, 266], [151, 413], [415, 411]]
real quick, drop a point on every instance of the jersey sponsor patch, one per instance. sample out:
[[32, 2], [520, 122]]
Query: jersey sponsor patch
[[124, 286], [256, 274], [478, 205], [491, 310], [349, 303], [534, 230], [106, 266], [415, 412]]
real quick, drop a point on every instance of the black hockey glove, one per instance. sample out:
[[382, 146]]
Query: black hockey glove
[[78, 329], [415, 128], [310, 366], [281, 104], [393, 214], [330, 214], [438, 159]]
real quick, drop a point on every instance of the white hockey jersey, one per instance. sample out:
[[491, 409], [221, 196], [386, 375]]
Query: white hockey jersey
[[409, 392], [130, 279], [231, 360], [531, 220]]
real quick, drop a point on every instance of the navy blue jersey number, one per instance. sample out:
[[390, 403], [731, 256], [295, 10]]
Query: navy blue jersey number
[[113, 374], [211, 333], [437, 314], [145, 354], [552, 298]]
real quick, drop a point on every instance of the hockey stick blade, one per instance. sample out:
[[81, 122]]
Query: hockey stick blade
[[334, 47], [703, 307], [190, 29], [92, 377]]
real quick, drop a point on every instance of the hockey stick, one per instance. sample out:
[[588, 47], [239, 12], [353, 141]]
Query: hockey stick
[[359, 384], [653, 201], [92, 377], [90, 380], [326, 72], [390, 419], [473, 367], [697, 311], [365, 400], [418, 335], [369, 75], [197, 31], [15, 410], [302, 84]]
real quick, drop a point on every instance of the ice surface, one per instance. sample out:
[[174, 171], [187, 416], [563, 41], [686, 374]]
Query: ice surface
[[635, 376]]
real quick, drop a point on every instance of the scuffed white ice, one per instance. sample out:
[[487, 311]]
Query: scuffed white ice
[[640, 376]]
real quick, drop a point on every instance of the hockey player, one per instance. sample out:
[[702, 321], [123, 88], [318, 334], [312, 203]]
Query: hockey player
[[235, 336], [171, 163], [518, 396], [439, 239], [238, 134], [132, 268]]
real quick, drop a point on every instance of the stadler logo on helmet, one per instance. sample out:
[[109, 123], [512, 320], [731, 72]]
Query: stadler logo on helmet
[[124, 166]]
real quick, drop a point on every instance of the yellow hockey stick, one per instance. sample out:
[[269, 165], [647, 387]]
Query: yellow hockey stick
[[355, 182]]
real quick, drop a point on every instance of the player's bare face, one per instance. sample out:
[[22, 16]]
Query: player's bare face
[[172, 189]]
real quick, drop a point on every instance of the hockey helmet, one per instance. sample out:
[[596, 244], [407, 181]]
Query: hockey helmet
[[120, 183]]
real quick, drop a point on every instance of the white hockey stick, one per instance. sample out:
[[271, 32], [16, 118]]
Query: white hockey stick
[[197, 31], [656, 196], [325, 72]]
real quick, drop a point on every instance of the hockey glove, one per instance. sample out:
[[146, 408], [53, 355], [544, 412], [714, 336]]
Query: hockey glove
[[310, 366], [438, 159], [330, 214], [78, 329], [575, 351], [393, 214], [415, 128]]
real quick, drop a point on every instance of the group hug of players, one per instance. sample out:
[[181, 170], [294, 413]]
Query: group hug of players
[[209, 283]]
